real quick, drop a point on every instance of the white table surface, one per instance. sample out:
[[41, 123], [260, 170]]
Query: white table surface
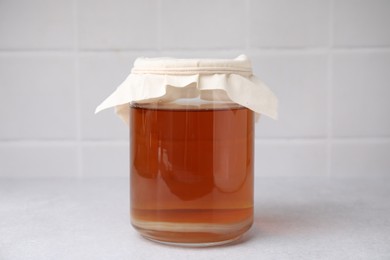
[[294, 219]]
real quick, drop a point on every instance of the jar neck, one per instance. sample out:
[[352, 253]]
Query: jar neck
[[187, 104]]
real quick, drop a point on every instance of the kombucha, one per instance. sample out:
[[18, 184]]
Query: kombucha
[[191, 171]]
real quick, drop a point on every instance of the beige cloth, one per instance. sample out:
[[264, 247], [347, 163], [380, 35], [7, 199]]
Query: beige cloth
[[164, 79]]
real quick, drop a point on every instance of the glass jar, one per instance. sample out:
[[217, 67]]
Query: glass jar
[[191, 165], [191, 146]]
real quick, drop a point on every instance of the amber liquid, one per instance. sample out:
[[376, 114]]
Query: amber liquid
[[191, 173]]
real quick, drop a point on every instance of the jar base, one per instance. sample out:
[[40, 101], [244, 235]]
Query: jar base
[[194, 245], [192, 235]]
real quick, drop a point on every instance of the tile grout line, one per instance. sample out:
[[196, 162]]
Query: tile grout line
[[159, 27], [276, 140], [329, 101], [80, 173], [247, 26], [272, 51], [57, 143]]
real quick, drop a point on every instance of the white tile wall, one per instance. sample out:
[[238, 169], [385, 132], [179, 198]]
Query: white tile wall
[[361, 23], [117, 24], [37, 96], [361, 94], [203, 24], [328, 61], [30, 160], [108, 70], [38, 24], [286, 23], [290, 158], [300, 82], [105, 159]]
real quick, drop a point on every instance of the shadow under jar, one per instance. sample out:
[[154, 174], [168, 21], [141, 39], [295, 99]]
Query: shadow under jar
[[191, 168]]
